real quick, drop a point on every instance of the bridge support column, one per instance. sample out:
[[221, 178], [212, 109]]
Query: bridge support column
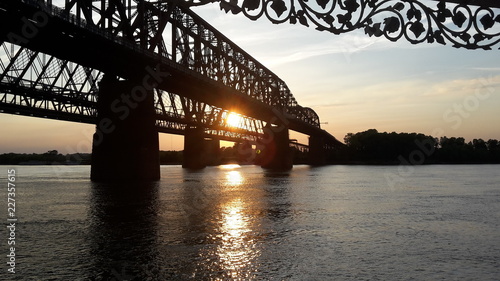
[[125, 145], [317, 153], [212, 152], [275, 152], [194, 149]]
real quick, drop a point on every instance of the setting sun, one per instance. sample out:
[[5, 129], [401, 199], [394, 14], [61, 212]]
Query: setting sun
[[234, 120]]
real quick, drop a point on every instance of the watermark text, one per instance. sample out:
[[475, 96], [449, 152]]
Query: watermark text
[[11, 220]]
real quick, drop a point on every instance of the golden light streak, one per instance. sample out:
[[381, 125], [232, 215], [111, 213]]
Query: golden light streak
[[237, 250]]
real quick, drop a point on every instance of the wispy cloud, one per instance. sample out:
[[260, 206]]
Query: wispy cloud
[[280, 44], [493, 69], [347, 46], [331, 105], [462, 87]]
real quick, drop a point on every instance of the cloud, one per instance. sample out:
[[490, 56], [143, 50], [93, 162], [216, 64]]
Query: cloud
[[333, 105], [279, 44], [458, 88], [347, 46], [492, 69]]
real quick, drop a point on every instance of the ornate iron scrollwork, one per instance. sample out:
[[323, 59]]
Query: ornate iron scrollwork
[[472, 24]]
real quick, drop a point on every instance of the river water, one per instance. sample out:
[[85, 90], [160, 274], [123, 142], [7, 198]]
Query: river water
[[243, 223]]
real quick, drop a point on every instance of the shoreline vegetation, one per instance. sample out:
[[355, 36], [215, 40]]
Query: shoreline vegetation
[[364, 148], [373, 147]]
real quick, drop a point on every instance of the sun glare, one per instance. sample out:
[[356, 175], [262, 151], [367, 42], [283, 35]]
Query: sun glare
[[234, 120]]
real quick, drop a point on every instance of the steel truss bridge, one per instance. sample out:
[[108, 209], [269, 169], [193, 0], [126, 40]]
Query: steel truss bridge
[[52, 59]]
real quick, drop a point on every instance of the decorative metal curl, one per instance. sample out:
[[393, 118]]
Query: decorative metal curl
[[473, 24]]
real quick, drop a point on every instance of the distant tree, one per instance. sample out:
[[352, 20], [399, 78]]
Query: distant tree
[[52, 152], [493, 150], [480, 153], [452, 150], [479, 144], [493, 144], [170, 157], [372, 146], [348, 139]]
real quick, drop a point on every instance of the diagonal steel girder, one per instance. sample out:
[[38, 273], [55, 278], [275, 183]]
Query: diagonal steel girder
[[203, 65], [36, 84], [198, 53]]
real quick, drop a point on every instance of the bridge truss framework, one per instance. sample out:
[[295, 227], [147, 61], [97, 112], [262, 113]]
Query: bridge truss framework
[[37, 83]]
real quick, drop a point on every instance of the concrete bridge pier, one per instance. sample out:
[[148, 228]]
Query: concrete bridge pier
[[317, 152], [275, 152], [198, 151], [212, 152], [125, 144], [193, 148]]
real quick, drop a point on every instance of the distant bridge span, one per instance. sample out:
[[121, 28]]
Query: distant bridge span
[[134, 67]]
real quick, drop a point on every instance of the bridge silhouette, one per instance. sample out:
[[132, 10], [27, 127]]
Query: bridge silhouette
[[136, 68]]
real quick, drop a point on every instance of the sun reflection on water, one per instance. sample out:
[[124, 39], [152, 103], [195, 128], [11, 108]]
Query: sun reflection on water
[[229, 166], [232, 252], [237, 248], [234, 178]]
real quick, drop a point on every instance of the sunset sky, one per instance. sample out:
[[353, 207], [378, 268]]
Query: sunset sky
[[352, 81]]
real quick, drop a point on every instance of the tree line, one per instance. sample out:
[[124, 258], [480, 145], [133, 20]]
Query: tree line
[[373, 147], [53, 157], [368, 147]]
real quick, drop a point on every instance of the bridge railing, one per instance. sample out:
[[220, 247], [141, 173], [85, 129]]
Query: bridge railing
[[471, 24]]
